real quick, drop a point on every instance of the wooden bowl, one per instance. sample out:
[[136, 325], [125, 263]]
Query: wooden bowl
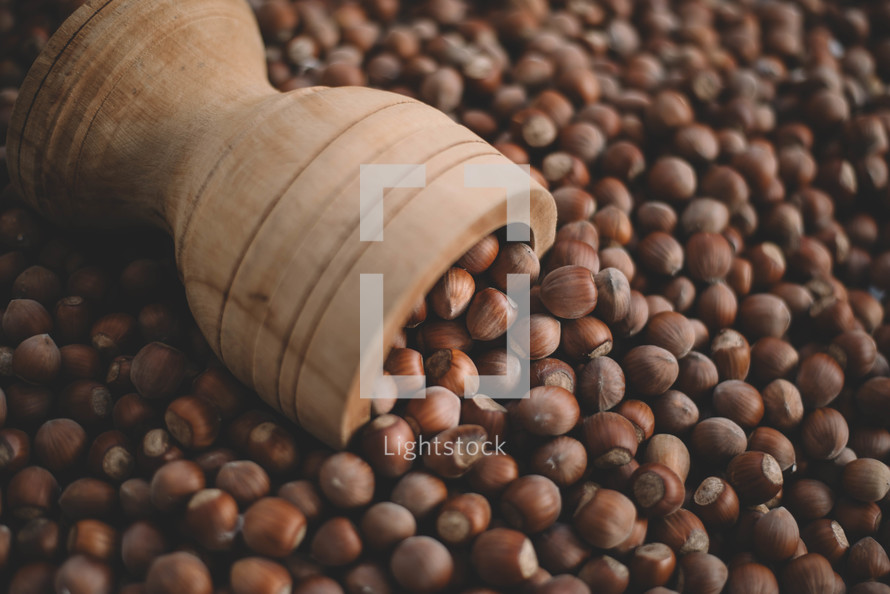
[[159, 112]]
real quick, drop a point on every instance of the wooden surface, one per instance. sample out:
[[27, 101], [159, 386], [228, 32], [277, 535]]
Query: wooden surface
[[159, 112]]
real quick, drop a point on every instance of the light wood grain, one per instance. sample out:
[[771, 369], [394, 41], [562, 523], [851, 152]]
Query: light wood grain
[[159, 112]]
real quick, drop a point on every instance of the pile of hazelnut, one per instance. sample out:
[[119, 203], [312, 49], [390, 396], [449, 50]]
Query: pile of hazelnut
[[710, 387]]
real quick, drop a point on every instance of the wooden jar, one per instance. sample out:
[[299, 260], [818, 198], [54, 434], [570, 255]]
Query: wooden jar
[[159, 112]]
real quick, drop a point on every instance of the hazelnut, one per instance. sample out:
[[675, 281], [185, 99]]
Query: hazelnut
[[490, 314], [174, 483], [192, 421], [88, 498], [82, 574], [305, 496], [217, 386], [660, 253], [605, 519], [39, 538], [544, 336], [715, 502], [681, 530], [244, 480], [273, 447], [569, 252], [33, 577], [739, 402], [492, 474], [347, 480], [178, 572], [824, 433], [454, 370], [774, 443], [453, 452], [560, 550], [404, 362], [857, 518], [585, 338], [652, 565], [93, 538], [607, 574], [503, 557], [697, 377], [480, 257], [783, 406], [110, 456], [421, 492], [422, 564], [451, 295], [776, 535], [31, 493], [827, 538], [867, 560], [387, 435], [704, 215], [562, 459], [600, 384], [674, 412], [755, 476], [514, 258], [504, 366], [141, 543], [367, 575], [731, 355], [708, 257], [87, 402], [531, 503], [437, 411], [385, 524], [809, 499], [260, 576], [717, 306], [654, 215], [640, 416], [669, 450], [610, 438], [211, 518], [763, 314], [717, 440], [582, 231], [672, 179], [772, 358], [866, 479], [552, 372], [336, 542], [657, 489], [548, 410], [113, 334], [671, 331], [273, 527], [59, 445], [157, 370], [569, 292], [819, 379], [613, 225], [24, 318], [37, 359], [701, 572], [133, 414], [650, 370]]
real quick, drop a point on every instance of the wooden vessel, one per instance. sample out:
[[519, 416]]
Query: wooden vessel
[[159, 112]]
